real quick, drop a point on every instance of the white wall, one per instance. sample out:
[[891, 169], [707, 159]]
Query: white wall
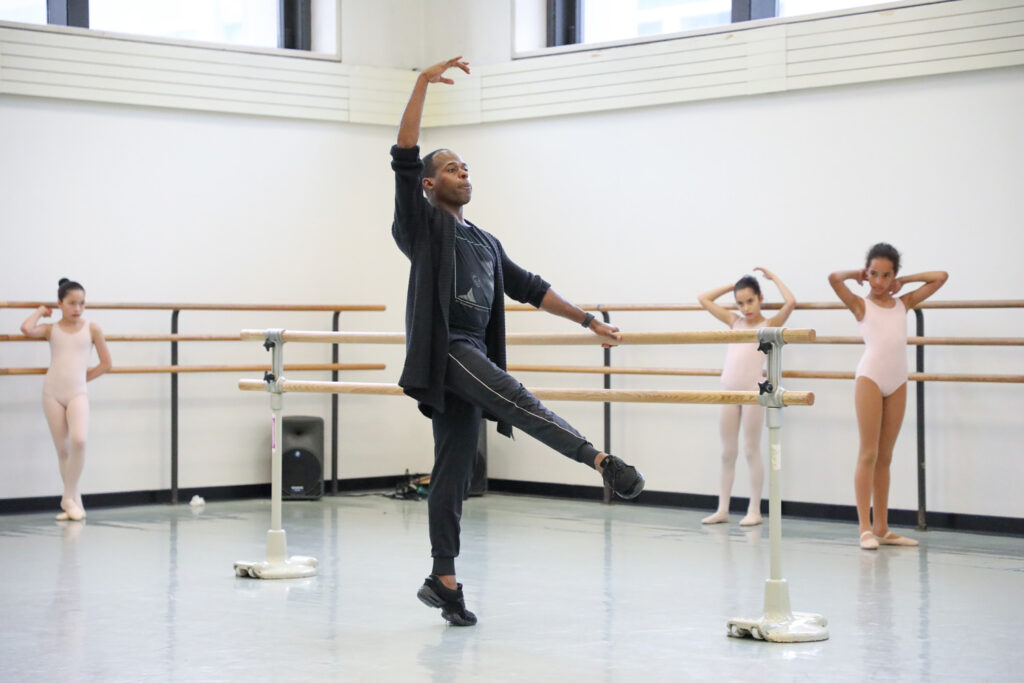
[[650, 204]]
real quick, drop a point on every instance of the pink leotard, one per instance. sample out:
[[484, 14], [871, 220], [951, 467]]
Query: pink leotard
[[885, 339], [69, 363], [744, 364]]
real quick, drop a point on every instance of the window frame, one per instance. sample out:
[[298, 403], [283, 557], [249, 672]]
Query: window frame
[[740, 8], [294, 25]]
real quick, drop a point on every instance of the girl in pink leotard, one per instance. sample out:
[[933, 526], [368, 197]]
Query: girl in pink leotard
[[880, 392], [65, 401], [743, 370]]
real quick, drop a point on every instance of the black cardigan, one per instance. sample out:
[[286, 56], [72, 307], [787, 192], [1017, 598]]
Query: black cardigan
[[426, 235]]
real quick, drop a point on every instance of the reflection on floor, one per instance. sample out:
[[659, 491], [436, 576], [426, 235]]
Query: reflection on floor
[[565, 590]]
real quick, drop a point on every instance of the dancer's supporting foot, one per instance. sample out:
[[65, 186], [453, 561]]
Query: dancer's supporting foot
[[718, 517], [868, 541], [752, 519], [889, 538], [434, 593], [72, 510]]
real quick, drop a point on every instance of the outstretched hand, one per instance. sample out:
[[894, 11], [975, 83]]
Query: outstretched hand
[[603, 329], [435, 73], [766, 273]]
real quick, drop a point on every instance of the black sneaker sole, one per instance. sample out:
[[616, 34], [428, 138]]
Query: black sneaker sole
[[634, 490], [429, 598]]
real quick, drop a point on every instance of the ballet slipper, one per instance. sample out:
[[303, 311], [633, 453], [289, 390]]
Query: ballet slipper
[[892, 539], [73, 512], [62, 517], [752, 519], [868, 541], [716, 518]]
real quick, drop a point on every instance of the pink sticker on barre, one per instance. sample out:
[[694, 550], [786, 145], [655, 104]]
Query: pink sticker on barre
[[273, 431]]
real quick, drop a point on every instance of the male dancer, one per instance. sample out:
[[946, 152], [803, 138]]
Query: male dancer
[[455, 340]]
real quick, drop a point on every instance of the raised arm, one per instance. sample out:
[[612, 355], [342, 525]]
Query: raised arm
[[932, 281], [788, 300], [853, 302], [409, 129], [33, 328], [101, 350], [707, 300]]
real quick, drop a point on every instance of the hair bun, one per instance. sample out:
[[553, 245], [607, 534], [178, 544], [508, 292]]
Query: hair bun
[[61, 281]]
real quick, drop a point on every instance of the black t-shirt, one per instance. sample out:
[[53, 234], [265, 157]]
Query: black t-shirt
[[473, 290]]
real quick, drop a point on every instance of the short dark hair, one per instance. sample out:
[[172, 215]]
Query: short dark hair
[[429, 169], [65, 285], [747, 281], [884, 250]]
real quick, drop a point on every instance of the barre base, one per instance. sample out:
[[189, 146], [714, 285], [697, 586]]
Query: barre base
[[277, 566], [779, 624]]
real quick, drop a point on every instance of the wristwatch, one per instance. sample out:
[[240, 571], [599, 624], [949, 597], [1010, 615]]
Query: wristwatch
[[587, 319]]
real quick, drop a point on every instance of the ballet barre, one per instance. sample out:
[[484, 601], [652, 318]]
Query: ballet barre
[[794, 374], [166, 369], [789, 398], [789, 336]]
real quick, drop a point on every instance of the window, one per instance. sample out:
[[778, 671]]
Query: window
[[252, 23], [245, 23], [24, 11], [605, 20], [601, 21]]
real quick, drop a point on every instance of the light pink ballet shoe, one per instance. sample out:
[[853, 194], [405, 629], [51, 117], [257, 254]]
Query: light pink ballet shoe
[[71, 512], [892, 539], [62, 517], [868, 541], [717, 518], [751, 520]]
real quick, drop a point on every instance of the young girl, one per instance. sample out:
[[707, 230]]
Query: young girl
[[65, 401], [880, 392], [742, 372]]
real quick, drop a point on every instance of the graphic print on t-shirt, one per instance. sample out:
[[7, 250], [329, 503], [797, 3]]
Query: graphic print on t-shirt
[[473, 282]]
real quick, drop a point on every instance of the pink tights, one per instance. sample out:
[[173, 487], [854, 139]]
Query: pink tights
[[734, 419], [69, 426]]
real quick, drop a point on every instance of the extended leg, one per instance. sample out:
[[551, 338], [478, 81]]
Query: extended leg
[[474, 378], [728, 430]]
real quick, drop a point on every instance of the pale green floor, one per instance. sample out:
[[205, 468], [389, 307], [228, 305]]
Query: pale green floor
[[564, 590]]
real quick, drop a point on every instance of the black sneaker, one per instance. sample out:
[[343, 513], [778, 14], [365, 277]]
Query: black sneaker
[[624, 479], [433, 593]]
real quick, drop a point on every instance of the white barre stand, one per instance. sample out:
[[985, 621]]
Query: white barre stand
[[277, 565], [778, 624]]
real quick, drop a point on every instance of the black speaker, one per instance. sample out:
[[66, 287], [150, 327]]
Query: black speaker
[[302, 458]]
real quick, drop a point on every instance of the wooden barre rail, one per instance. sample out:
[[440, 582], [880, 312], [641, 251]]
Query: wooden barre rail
[[138, 337], [789, 398], [799, 374], [807, 306], [526, 339], [174, 369], [387, 338], [934, 341], [202, 307]]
